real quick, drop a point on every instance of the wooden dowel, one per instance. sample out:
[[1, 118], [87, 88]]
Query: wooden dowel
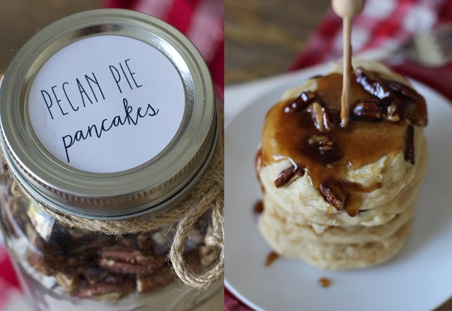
[[347, 9], [347, 72]]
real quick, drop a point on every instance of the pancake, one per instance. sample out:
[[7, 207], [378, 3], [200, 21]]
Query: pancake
[[343, 198]]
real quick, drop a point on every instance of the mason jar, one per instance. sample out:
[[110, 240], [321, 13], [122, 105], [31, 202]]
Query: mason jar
[[112, 167]]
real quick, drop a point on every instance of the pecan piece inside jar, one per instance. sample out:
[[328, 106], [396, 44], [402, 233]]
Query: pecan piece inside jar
[[148, 282], [115, 262], [111, 288]]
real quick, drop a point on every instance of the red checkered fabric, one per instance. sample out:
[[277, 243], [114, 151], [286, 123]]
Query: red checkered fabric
[[382, 23], [199, 20], [9, 285]]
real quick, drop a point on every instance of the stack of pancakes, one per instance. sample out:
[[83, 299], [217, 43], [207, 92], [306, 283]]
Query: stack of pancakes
[[343, 197]]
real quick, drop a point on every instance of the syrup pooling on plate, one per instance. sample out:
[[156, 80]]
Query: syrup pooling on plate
[[306, 130], [324, 282]]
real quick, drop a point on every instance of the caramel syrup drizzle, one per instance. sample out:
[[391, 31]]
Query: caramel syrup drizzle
[[306, 131]]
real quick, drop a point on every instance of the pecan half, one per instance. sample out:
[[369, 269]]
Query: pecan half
[[123, 260], [395, 111], [123, 267], [403, 90], [323, 148], [320, 117], [333, 194], [373, 84], [367, 110], [287, 175], [120, 253], [300, 103], [409, 144]]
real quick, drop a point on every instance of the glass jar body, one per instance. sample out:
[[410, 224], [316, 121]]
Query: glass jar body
[[64, 267]]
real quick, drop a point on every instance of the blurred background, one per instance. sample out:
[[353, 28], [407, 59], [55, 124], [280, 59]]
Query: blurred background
[[21, 19], [263, 37]]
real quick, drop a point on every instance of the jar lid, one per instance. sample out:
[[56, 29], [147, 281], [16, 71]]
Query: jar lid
[[108, 113]]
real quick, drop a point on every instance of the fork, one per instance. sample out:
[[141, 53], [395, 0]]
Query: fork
[[432, 49]]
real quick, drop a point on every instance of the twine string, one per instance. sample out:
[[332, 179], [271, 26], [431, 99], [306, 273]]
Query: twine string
[[213, 240], [206, 195]]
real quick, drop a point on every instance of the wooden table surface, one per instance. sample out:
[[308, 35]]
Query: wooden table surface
[[21, 19], [263, 38]]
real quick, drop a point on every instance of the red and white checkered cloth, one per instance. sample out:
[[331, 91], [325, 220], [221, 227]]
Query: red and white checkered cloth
[[10, 293], [199, 20], [382, 24]]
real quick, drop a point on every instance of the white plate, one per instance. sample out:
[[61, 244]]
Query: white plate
[[419, 278]]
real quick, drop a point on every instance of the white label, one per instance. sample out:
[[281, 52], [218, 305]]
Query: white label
[[106, 103]]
